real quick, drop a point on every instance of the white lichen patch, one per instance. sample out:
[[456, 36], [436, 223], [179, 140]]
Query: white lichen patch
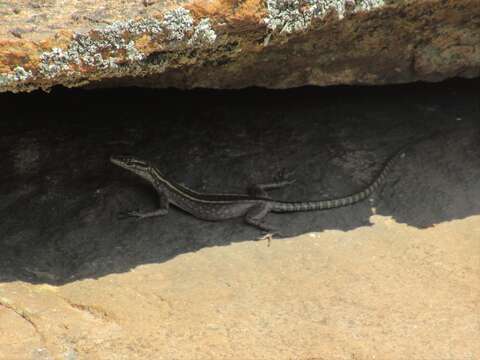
[[101, 49], [108, 47], [18, 74], [135, 27], [287, 16], [111, 45], [203, 33], [178, 23], [54, 62], [367, 5]]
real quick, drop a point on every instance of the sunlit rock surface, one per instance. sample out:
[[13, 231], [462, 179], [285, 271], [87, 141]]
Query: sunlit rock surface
[[386, 291]]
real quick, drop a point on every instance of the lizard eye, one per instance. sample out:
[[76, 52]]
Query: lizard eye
[[139, 163]]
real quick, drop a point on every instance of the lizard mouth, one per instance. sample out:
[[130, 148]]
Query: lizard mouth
[[118, 160]]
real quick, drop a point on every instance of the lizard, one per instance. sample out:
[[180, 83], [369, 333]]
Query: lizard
[[253, 206]]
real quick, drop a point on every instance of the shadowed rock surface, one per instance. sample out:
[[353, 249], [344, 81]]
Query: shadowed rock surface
[[61, 195], [236, 44], [393, 277]]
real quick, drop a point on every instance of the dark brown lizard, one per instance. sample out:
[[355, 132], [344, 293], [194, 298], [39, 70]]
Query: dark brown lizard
[[253, 207]]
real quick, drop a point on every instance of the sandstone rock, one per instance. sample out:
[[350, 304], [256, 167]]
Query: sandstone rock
[[234, 44], [394, 277], [389, 291]]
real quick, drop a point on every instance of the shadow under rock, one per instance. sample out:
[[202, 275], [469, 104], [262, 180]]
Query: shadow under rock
[[60, 196]]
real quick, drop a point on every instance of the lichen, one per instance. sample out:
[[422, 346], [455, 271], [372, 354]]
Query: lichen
[[108, 47], [287, 16], [54, 62], [111, 50], [203, 33], [18, 74], [178, 23], [101, 49], [367, 5], [135, 27]]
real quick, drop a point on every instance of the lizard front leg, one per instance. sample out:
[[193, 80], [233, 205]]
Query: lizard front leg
[[162, 210], [260, 190]]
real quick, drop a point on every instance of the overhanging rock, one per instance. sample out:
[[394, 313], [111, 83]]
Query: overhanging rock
[[235, 44]]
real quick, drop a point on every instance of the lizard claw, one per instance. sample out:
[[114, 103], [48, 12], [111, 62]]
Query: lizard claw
[[269, 236]]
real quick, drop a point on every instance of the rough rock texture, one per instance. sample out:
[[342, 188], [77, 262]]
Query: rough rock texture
[[394, 277], [233, 44], [387, 291]]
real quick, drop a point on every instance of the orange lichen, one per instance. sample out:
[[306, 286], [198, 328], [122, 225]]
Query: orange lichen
[[229, 10], [16, 53], [250, 10], [145, 44]]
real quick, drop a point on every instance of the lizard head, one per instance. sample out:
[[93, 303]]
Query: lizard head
[[140, 167]]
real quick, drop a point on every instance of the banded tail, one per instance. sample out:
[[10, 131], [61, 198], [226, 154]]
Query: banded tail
[[284, 206]]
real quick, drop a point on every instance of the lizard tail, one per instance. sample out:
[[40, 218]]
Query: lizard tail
[[284, 206]]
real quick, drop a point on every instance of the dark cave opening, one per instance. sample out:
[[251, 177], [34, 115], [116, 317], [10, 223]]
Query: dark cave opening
[[59, 194]]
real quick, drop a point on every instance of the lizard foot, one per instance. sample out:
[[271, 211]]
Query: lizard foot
[[141, 215], [128, 214]]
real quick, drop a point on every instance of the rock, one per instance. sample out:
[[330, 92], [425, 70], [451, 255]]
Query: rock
[[393, 277], [386, 291], [235, 44]]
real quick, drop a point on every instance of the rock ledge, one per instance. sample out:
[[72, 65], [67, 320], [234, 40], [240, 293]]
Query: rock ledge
[[231, 44]]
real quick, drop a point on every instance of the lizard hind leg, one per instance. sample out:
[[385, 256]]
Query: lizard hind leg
[[255, 217]]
